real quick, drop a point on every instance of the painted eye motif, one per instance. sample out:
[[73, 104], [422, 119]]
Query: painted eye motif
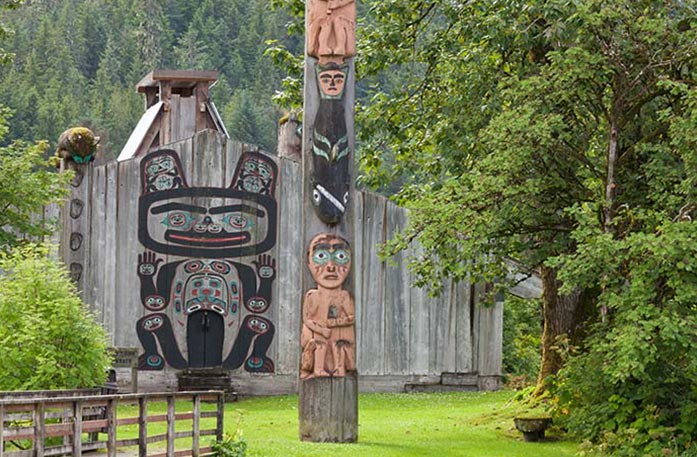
[[316, 197], [250, 166], [215, 284], [178, 219], [152, 169], [237, 221], [193, 266], [341, 256], [264, 170], [220, 267], [262, 326], [166, 164], [321, 256]]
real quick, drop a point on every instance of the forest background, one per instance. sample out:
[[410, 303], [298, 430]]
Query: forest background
[[76, 62]]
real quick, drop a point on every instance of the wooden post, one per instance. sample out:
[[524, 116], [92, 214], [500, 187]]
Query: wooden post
[[195, 426], [39, 429], [111, 428], [2, 430], [219, 417], [328, 387], [75, 220], [77, 428], [170, 425], [143, 427]]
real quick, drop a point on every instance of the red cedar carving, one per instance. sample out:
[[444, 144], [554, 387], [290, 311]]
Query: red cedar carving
[[328, 334], [332, 30]]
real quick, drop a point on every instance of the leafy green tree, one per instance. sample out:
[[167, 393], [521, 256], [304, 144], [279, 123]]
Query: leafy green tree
[[49, 341], [27, 185], [560, 134]]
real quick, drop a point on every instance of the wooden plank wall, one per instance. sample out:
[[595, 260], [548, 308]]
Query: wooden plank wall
[[401, 330]]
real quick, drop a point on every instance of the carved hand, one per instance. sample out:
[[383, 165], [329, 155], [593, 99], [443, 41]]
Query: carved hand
[[266, 267], [147, 264], [341, 321]]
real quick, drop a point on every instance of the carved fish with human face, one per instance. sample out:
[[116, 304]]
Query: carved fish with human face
[[330, 146]]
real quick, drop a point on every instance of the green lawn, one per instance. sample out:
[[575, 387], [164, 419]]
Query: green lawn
[[453, 424]]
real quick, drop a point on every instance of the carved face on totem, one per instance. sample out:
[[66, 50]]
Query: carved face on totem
[[331, 79], [208, 222], [329, 260]]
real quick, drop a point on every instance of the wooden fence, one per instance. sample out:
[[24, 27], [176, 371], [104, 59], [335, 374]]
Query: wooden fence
[[49, 426], [403, 334]]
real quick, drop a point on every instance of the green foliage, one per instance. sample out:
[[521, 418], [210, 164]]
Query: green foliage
[[49, 339], [633, 390], [559, 134], [75, 62], [522, 327], [27, 185], [230, 446]]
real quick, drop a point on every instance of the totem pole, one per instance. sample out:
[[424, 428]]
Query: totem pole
[[328, 379], [76, 151]]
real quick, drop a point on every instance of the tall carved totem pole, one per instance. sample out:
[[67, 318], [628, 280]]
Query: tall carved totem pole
[[328, 379]]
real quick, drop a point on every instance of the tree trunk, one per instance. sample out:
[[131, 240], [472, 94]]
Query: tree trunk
[[560, 314]]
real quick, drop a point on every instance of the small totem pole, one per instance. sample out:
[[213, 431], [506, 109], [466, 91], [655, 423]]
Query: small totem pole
[[76, 151], [328, 378]]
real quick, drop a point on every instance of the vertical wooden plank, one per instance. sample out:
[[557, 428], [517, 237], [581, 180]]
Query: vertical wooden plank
[[208, 160], [143, 427], [77, 428], [127, 307], [357, 208], [2, 430], [373, 289], [110, 239], [39, 429], [450, 323], [439, 307], [289, 269], [189, 112], [463, 337], [219, 417], [111, 427], [397, 300], [196, 426], [419, 324], [94, 292], [170, 425], [175, 116]]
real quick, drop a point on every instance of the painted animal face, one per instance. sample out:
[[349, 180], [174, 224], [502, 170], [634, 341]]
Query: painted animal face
[[207, 222], [209, 285], [329, 260]]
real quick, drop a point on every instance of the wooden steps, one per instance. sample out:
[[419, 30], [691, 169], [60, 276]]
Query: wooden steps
[[449, 382]]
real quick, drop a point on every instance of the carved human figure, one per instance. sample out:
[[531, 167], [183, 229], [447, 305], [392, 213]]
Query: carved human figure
[[331, 30], [328, 334]]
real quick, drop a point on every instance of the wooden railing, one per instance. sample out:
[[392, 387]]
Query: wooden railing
[[73, 424]]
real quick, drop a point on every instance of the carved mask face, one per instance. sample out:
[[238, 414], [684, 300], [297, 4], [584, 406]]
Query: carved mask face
[[331, 79], [329, 260], [331, 82]]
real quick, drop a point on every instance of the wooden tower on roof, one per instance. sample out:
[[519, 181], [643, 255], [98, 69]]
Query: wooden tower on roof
[[177, 105]]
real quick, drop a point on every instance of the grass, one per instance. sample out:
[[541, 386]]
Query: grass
[[452, 424]]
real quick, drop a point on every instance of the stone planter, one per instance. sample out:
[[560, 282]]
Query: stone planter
[[533, 428]]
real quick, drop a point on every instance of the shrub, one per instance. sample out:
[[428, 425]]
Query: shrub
[[48, 337]]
